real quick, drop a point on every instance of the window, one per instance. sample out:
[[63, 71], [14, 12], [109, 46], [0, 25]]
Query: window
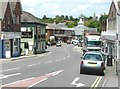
[[26, 45], [8, 20], [18, 20], [14, 19], [94, 43], [4, 22], [7, 45], [93, 57], [16, 45]]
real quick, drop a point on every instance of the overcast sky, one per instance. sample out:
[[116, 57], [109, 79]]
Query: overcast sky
[[74, 8]]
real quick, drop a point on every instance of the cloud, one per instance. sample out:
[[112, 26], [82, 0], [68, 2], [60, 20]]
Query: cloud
[[52, 8], [101, 1]]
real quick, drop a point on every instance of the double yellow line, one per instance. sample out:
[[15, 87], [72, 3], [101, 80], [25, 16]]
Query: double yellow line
[[96, 82]]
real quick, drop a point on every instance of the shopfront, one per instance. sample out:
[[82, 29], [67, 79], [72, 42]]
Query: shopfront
[[10, 44], [109, 47]]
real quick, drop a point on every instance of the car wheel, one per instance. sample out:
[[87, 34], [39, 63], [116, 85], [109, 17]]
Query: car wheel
[[102, 73], [81, 71]]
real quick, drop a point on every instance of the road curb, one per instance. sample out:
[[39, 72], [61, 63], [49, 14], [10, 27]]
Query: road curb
[[23, 57]]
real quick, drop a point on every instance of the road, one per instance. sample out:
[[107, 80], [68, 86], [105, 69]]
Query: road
[[60, 68]]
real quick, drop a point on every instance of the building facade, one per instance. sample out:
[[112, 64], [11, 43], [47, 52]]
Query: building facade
[[33, 34], [55, 32], [79, 29], [110, 37], [10, 28]]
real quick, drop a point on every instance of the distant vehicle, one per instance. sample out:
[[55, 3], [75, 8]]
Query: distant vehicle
[[91, 43], [58, 44], [93, 61], [74, 42], [68, 42]]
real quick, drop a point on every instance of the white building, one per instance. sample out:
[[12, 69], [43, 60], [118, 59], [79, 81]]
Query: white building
[[79, 29], [111, 37]]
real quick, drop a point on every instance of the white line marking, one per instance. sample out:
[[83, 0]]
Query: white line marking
[[64, 58], [95, 81], [104, 83], [6, 76], [58, 60], [98, 82], [37, 82], [49, 62], [55, 73], [10, 69], [17, 81], [34, 64], [77, 84]]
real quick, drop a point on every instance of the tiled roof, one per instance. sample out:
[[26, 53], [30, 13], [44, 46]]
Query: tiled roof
[[59, 26], [3, 5], [52, 26], [28, 17], [93, 32], [116, 4]]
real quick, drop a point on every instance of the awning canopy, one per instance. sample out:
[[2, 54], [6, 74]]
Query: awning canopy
[[109, 35]]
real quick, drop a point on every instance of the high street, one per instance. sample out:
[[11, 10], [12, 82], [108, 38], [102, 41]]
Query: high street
[[60, 68]]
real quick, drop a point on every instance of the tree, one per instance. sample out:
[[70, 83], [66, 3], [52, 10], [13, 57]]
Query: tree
[[44, 17], [66, 17], [103, 22], [71, 18]]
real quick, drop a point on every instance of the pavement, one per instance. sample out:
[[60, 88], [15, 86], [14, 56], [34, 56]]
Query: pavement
[[23, 57], [111, 79]]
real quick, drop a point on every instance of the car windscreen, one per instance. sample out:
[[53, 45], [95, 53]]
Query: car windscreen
[[93, 43], [93, 57]]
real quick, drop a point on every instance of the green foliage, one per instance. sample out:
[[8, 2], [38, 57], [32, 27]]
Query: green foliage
[[72, 22]]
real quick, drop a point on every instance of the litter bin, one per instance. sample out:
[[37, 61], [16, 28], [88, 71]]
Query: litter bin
[[26, 51], [7, 54], [109, 60]]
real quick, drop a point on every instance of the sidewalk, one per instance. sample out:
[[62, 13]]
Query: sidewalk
[[23, 57], [111, 79]]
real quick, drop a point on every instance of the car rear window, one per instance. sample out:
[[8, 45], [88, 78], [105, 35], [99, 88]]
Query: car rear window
[[93, 57]]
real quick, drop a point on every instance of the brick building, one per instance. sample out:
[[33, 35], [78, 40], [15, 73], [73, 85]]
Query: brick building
[[10, 28]]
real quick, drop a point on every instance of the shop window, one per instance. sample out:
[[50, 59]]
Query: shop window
[[16, 45], [7, 45]]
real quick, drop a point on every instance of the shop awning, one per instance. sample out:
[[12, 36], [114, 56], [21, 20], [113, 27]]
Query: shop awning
[[109, 35]]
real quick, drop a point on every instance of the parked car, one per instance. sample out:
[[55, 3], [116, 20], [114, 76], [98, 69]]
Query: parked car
[[92, 62], [68, 42], [58, 44], [74, 42]]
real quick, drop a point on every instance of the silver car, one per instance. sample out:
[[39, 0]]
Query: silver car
[[58, 44], [93, 62]]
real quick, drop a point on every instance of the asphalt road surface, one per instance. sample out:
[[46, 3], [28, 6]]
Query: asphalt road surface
[[60, 68]]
